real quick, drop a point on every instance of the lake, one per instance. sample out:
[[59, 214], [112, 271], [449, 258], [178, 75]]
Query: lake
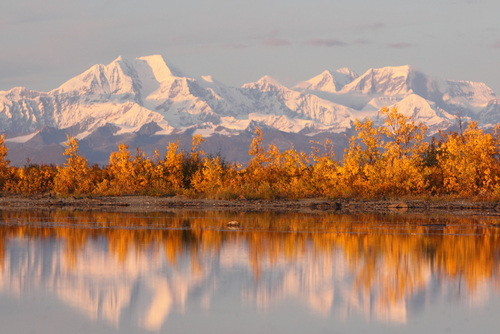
[[192, 272]]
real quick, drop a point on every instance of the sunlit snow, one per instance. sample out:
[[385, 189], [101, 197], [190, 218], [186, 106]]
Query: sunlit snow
[[22, 139], [132, 92]]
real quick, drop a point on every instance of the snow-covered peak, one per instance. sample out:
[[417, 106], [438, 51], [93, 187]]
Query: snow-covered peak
[[490, 115], [265, 84], [323, 82], [425, 111], [267, 80], [132, 92], [161, 68], [100, 79], [208, 81], [474, 94], [390, 80], [403, 70], [18, 93], [416, 106], [412, 105], [327, 81], [122, 76], [348, 73], [379, 102], [207, 78], [344, 76]]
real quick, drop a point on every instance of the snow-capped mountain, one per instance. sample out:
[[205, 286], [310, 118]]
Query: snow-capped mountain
[[435, 102], [386, 81], [490, 115], [414, 106], [327, 81], [128, 94], [401, 81], [275, 99]]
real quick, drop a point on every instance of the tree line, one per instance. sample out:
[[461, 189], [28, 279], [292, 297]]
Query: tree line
[[387, 161]]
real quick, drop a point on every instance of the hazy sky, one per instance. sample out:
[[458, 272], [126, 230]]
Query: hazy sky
[[43, 43]]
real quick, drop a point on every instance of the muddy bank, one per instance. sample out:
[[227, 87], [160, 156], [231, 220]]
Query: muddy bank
[[143, 203]]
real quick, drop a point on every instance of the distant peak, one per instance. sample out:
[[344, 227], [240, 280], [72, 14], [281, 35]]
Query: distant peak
[[269, 80], [207, 78], [328, 81], [397, 70], [158, 58], [266, 83], [161, 68], [392, 71], [344, 70], [21, 92], [347, 72], [389, 80], [18, 89]]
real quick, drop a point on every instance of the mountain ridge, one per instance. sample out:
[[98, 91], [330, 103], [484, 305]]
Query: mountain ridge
[[129, 93]]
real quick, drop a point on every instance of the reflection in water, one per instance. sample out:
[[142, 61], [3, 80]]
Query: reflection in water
[[148, 266]]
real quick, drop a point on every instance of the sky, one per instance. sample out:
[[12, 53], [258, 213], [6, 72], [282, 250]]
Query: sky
[[43, 43]]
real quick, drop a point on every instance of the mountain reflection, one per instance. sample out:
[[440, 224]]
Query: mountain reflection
[[149, 266]]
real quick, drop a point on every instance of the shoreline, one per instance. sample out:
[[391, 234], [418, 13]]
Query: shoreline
[[163, 204]]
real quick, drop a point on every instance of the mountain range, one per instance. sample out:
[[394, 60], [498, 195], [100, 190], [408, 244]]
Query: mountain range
[[148, 102]]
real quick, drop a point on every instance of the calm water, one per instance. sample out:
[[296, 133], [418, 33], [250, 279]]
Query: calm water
[[189, 272]]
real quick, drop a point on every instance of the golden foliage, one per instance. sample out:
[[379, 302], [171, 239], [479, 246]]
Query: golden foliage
[[215, 178], [31, 179], [387, 161], [73, 177], [322, 177], [170, 170], [121, 171], [468, 162], [4, 162], [373, 167]]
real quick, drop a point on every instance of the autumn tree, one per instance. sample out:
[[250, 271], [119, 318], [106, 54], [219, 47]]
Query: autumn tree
[[286, 171], [73, 176], [170, 170], [272, 173], [403, 154], [257, 151], [144, 172], [358, 173], [121, 171], [255, 181], [323, 174], [31, 179], [468, 161], [385, 160], [216, 179], [4, 162], [194, 161]]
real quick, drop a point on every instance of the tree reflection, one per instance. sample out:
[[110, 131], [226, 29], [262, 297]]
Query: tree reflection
[[388, 256]]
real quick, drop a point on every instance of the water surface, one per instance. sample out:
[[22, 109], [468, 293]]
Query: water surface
[[191, 272]]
